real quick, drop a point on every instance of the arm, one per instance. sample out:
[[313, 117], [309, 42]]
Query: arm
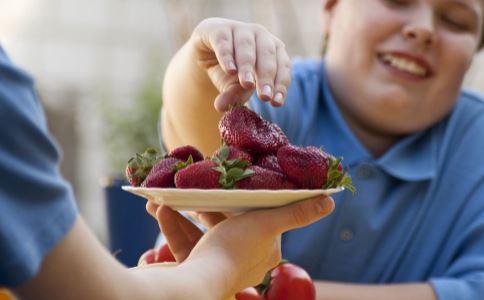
[[222, 63], [222, 262], [80, 268], [344, 291]]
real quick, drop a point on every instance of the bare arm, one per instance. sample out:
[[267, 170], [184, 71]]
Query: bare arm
[[222, 262], [80, 268], [343, 291], [222, 63], [188, 115]]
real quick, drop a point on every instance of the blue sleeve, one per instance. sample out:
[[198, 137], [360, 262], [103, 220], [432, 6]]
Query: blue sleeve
[[464, 277], [462, 254], [37, 206]]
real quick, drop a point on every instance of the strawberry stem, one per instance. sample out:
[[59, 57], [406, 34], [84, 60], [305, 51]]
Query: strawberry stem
[[142, 163], [337, 177], [232, 170]]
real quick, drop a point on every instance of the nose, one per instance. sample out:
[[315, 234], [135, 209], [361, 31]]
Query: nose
[[421, 30]]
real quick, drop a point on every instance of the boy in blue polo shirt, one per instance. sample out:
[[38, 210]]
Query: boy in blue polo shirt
[[388, 98]]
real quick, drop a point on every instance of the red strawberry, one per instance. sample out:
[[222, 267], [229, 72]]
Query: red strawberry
[[265, 179], [312, 168], [162, 174], [184, 152], [269, 161], [213, 174], [244, 128], [140, 165], [199, 175], [235, 153]]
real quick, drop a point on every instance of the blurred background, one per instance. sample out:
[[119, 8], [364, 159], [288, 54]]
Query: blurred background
[[99, 65]]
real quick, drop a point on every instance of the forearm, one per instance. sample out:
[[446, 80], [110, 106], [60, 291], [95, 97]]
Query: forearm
[[339, 291], [80, 268], [190, 280], [188, 115]]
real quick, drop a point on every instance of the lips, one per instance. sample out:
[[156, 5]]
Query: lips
[[406, 63]]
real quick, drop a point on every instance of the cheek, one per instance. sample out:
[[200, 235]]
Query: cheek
[[454, 62]]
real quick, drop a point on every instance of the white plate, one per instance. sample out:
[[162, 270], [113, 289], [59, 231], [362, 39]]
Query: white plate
[[224, 200]]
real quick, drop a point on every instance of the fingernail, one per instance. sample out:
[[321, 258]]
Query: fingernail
[[279, 98], [267, 91], [231, 66], [322, 204], [249, 77]]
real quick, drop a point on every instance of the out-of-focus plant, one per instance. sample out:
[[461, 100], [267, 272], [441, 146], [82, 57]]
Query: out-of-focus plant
[[130, 129]]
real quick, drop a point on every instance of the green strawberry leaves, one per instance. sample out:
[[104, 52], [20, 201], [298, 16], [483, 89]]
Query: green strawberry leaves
[[337, 177], [141, 164], [183, 164], [231, 170]]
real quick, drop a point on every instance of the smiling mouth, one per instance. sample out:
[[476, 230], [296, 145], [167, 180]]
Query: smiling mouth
[[406, 65]]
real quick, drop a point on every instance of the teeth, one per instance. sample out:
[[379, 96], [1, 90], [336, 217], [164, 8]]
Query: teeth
[[404, 64]]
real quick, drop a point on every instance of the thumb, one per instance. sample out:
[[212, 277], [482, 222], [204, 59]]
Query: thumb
[[231, 94], [299, 214]]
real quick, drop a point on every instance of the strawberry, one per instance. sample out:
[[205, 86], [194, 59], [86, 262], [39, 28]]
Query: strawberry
[[184, 152], [269, 161], [235, 153], [312, 168], [162, 175], [244, 128], [265, 179], [199, 175], [140, 165], [215, 173]]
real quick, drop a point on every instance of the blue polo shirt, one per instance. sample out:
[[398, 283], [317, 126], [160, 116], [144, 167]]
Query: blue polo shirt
[[37, 206], [418, 214]]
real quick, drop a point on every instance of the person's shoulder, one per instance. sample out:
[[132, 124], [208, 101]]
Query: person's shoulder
[[464, 127], [10, 73], [470, 107], [471, 99], [17, 92]]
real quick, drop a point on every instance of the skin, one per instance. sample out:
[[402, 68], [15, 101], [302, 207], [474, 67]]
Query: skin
[[381, 104], [215, 265], [387, 104]]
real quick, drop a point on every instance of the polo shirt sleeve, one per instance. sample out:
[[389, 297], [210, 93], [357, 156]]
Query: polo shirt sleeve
[[464, 277], [462, 253], [37, 206]]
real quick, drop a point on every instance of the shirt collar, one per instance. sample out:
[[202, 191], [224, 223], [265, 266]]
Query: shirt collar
[[411, 159]]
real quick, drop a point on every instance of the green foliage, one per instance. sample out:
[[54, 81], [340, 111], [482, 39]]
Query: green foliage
[[130, 129]]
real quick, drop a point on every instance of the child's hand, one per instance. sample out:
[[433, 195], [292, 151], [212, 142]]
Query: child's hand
[[239, 57]]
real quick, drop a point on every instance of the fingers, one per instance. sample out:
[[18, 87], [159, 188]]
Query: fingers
[[266, 66], [245, 56], [210, 219], [181, 234], [232, 94], [298, 214], [250, 57], [283, 76], [223, 46], [151, 208]]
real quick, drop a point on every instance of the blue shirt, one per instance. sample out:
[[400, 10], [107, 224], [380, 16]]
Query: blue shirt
[[36, 205], [418, 214]]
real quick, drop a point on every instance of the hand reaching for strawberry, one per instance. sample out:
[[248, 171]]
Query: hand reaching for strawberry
[[239, 57]]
